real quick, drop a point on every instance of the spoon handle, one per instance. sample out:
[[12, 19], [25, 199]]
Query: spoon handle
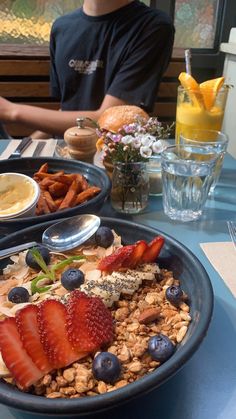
[[13, 250]]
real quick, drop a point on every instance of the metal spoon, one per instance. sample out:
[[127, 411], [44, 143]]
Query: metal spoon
[[63, 235], [70, 233]]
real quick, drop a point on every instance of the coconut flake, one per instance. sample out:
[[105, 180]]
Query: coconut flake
[[93, 275]]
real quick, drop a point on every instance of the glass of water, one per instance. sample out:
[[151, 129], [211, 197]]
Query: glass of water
[[187, 175], [215, 141]]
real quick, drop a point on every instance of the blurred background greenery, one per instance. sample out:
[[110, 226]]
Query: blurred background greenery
[[29, 21]]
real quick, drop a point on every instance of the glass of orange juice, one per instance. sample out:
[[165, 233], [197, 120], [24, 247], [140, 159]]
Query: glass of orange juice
[[199, 106]]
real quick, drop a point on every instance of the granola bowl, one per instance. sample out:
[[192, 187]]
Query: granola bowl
[[175, 260]]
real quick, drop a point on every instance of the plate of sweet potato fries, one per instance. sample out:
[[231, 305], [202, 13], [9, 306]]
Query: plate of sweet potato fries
[[60, 190], [67, 187]]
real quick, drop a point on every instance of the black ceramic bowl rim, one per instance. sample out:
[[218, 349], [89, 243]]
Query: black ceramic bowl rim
[[82, 208], [39, 404]]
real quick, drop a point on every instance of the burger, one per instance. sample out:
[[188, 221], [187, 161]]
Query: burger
[[112, 119]]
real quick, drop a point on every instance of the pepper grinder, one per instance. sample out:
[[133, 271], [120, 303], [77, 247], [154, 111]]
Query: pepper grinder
[[81, 140]]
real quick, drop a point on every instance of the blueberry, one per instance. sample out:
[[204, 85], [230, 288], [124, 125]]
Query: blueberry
[[104, 237], [160, 347], [72, 278], [30, 260], [174, 294], [106, 367], [18, 295]]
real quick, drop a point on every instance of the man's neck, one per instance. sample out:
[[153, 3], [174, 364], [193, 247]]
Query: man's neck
[[102, 7]]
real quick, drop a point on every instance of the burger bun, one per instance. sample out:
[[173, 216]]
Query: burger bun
[[113, 118]]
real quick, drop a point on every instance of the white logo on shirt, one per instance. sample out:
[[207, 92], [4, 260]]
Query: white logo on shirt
[[85, 67]]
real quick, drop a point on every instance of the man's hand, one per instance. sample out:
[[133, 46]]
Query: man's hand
[[40, 135], [6, 110]]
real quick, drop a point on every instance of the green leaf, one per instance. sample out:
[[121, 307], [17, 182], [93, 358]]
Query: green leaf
[[35, 288], [48, 273], [66, 262], [40, 261]]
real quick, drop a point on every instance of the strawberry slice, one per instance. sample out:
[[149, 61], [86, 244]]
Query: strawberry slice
[[136, 256], [52, 316], [26, 321], [153, 249], [20, 365], [116, 260], [90, 324]]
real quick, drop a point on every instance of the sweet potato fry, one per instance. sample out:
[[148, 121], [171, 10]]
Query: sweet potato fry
[[58, 201], [43, 168], [58, 177], [87, 194], [50, 202], [83, 182], [57, 189], [42, 175], [42, 206], [69, 200], [60, 190], [46, 182]]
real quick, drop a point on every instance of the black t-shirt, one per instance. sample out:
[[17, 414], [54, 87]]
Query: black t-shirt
[[123, 54]]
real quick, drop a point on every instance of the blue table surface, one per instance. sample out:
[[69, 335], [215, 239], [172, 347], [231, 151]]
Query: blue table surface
[[205, 387]]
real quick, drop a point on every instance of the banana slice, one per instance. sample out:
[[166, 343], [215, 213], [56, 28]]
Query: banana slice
[[150, 267], [110, 287]]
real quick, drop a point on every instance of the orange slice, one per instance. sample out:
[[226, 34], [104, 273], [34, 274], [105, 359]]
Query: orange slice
[[100, 144], [209, 90], [188, 82]]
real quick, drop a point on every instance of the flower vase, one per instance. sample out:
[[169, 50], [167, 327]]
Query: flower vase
[[155, 178], [130, 187], [107, 163]]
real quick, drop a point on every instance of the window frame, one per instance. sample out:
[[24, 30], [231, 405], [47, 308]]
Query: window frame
[[204, 59], [201, 58]]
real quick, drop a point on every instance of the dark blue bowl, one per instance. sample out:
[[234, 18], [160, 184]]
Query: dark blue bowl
[[28, 166], [194, 281]]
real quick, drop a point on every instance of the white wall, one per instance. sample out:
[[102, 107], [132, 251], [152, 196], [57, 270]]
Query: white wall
[[229, 124]]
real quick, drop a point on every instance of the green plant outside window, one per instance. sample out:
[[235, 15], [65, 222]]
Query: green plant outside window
[[30, 21]]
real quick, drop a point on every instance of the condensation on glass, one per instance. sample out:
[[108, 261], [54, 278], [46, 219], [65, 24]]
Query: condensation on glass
[[195, 23], [30, 21]]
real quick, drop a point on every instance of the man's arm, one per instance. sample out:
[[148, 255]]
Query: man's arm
[[50, 121]]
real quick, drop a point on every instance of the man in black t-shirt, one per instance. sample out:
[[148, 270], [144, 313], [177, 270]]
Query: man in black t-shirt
[[104, 54]]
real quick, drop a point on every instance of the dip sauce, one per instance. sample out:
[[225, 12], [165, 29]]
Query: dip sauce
[[16, 193]]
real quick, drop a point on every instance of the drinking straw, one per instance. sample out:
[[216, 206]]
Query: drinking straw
[[187, 54]]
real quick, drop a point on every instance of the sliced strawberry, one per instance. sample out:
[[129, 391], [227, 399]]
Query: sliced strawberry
[[52, 317], [90, 324], [136, 256], [117, 259], [20, 365], [26, 320], [154, 247]]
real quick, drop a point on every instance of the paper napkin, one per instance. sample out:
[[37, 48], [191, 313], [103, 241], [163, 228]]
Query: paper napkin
[[223, 258], [47, 151]]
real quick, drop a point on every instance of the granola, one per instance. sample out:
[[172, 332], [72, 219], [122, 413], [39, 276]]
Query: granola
[[139, 312]]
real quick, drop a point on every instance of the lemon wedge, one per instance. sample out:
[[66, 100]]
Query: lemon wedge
[[209, 90]]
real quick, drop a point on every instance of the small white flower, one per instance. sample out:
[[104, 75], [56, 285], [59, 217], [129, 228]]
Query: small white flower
[[136, 143], [127, 139], [147, 140], [125, 148], [158, 146], [145, 151]]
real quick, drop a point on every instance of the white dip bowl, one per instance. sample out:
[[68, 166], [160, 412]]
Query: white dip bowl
[[18, 195]]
